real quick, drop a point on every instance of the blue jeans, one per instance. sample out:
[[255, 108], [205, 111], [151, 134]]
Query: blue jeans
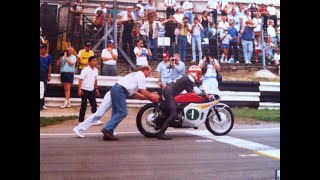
[[204, 34], [182, 45], [109, 70], [247, 49], [154, 43], [189, 16], [196, 40], [119, 107]]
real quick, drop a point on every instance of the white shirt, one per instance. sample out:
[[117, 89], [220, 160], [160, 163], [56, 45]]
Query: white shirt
[[197, 29], [276, 57], [88, 76], [105, 53], [187, 5], [212, 4], [133, 81], [223, 25], [141, 11], [99, 8], [272, 10], [257, 22], [178, 17], [142, 59], [271, 32], [170, 2]]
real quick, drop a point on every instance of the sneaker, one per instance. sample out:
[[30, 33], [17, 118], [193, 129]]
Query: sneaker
[[44, 107], [77, 132], [98, 123], [65, 104], [69, 104]]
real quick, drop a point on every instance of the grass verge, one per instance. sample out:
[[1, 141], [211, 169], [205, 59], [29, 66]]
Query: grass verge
[[263, 115], [46, 121]]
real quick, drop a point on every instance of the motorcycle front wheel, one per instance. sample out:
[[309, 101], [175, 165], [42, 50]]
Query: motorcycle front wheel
[[217, 127], [146, 119]]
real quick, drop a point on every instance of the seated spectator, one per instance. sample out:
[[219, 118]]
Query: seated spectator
[[268, 48]]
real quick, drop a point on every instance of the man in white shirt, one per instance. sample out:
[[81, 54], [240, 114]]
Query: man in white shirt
[[272, 11], [109, 58], [187, 8], [101, 8], [212, 5], [141, 53]]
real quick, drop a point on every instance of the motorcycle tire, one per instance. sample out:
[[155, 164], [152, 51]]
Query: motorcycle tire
[[143, 125], [226, 115]]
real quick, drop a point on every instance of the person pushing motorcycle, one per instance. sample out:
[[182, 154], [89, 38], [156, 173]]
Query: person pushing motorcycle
[[186, 82]]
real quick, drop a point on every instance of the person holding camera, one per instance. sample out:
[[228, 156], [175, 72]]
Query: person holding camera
[[179, 68], [209, 67], [196, 38], [141, 53], [184, 28], [165, 70]]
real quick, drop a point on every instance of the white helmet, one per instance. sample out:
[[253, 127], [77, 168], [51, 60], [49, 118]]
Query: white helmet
[[196, 72]]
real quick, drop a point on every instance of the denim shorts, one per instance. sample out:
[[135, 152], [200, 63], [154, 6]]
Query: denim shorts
[[67, 77], [225, 46]]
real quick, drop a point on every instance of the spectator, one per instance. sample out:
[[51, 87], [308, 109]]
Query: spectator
[[67, 63], [212, 5], [150, 8], [109, 58], [179, 68], [246, 40], [228, 7], [223, 25], [83, 56], [205, 20], [235, 18], [272, 33], [253, 8], [165, 71], [258, 22], [170, 27], [209, 67], [112, 14], [184, 28], [141, 53], [244, 18], [225, 40], [264, 15], [101, 8], [178, 16], [196, 30], [45, 71], [127, 40], [149, 30], [269, 47], [187, 10], [88, 87], [133, 84], [239, 10], [170, 4], [277, 59], [141, 10], [233, 44], [161, 29], [272, 13], [213, 41], [257, 46], [137, 18], [77, 11], [98, 21], [278, 35]]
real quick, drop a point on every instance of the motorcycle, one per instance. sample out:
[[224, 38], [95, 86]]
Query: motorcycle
[[192, 112]]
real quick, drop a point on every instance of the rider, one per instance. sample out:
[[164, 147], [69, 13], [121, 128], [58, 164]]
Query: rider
[[186, 82]]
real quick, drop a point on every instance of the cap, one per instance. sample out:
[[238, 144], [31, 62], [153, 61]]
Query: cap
[[161, 17], [43, 46], [166, 55], [87, 44], [110, 42]]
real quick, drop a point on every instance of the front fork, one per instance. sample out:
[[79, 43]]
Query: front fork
[[214, 108]]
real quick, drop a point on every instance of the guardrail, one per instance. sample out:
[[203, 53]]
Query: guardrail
[[260, 95]]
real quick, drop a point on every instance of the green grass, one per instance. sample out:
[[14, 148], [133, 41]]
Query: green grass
[[264, 115], [46, 121]]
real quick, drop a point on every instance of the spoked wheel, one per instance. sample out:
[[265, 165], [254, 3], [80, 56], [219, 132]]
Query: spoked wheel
[[146, 120], [217, 127]]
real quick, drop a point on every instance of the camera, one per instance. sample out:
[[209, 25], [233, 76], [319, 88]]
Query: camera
[[172, 59]]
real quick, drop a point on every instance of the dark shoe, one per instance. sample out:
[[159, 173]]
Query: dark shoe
[[163, 137], [107, 136]]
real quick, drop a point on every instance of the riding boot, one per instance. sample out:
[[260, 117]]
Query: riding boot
[[160, 134]]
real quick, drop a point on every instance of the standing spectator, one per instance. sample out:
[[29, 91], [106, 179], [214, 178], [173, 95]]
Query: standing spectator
[[205, 20], [161, 29], [45, 71], [272, 32], [101, 8], [179, 68], [233, 44], [170, 4], [264, 15], [88, 87], [178, 16], [239, 10], [225, 40], [212, 5], [67, 63], [137, 18], [223, 24], [77, 11], [228, 7], [127, 40], [258, 22], [244, 18], [112, 14], [257, 46], [184, 28], [213, 40], [187, 10], [150, 9], [141, 53], [165, 71], [235, 18], [109, 58], [133, 84], [141, 10], [253, 7], [170, 27], [246, 40], [83, 56], [272, 13], [209, 68], [196, 30], [149, 30]]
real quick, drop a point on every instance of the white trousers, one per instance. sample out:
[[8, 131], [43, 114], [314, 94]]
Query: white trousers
[[105, 105]]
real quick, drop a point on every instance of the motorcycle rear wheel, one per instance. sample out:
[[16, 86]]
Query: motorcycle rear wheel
[[223, 127], [146, 118]]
